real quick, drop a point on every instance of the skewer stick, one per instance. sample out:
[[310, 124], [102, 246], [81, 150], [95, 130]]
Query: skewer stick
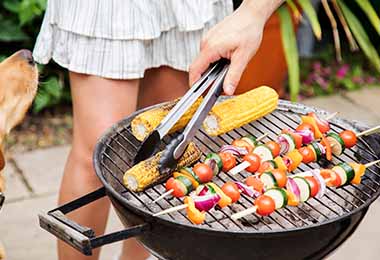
[[261, 137], [239, 168], [163, 195], [244, 213], [329, 117], [369, 131], [371, 163], [170, 210]]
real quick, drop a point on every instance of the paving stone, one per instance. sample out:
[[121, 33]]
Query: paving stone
[[14, 187], [43, 169], [367, 98], [364, 243], [345, 108], [20, 232]]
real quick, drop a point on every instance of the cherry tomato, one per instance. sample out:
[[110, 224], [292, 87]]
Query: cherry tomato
[[314, 185], [333, 179], [307, 154], [254, 160], [231, 190], [265, 205], [274, 147], [203, 171], [265, 166], [306, 126], [178, 188], [242, 144], [323, 125], [280, 177], [229, 161], [349, 138], [255, 183]]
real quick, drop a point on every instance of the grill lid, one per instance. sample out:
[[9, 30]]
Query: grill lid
[[115, 152]]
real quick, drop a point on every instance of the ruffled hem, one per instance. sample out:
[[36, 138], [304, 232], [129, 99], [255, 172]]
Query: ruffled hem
[[116, 59], [134, 19]]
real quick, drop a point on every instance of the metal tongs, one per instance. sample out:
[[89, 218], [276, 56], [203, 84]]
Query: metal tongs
[[213, 77]]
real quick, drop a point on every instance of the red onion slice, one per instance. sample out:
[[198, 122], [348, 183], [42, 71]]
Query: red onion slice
[[292, 186], [234, 150], [206, 202], [322, 184], [284, 144], [322, 148], [307, 136], [247, 190]]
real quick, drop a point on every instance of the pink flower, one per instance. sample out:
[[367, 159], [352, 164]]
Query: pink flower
[[371, 80], [317, 66], [342, 71]]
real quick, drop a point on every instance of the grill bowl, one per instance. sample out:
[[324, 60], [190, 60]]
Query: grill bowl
[[310, 231]]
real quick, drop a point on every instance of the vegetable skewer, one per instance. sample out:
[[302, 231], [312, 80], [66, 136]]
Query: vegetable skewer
[[200, 173], [277, 195]]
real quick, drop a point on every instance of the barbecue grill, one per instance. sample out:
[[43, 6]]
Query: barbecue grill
[[310, 231]]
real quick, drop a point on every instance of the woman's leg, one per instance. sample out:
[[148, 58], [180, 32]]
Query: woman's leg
[[162, 84], [97, 104]]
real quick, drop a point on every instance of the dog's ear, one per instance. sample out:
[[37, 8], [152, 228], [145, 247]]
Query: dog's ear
[[2, 160]]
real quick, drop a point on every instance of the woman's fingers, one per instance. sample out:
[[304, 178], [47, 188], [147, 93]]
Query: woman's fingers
[[239, 61], [201, 63]]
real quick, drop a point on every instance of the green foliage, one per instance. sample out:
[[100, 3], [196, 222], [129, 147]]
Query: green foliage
[[20, 23], [354, 24], [291, 53]]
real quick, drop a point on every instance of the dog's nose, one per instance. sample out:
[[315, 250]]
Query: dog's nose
[[27, 55]]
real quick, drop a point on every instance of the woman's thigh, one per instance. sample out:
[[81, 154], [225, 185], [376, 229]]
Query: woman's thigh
[[97, 104], [162, 84]]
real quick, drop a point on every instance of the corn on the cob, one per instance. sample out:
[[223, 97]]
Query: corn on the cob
[[144, 123], [240, 110], [146, 173]]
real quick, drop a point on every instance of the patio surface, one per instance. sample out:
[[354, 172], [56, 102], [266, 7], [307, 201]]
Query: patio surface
[[33, 179]]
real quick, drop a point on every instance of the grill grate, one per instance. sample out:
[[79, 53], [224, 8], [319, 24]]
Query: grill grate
[[120, 147]]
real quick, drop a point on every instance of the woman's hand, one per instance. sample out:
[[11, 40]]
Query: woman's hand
[[237, 38]]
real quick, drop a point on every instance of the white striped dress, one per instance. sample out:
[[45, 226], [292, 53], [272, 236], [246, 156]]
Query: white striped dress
[[120, 39]]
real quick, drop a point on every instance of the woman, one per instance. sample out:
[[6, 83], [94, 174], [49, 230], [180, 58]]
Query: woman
[[127, 54]]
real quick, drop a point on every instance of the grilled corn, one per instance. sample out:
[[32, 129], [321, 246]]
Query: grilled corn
[[146, 173], [240, 110], [144, 123]]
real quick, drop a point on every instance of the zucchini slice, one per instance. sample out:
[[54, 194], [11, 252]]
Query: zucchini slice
[[217, 159], [279, 196], [269, 180], [317, 150], [345, 172], [337, 143], [250, 139], [186, 182], [304, 188], [263, 152]]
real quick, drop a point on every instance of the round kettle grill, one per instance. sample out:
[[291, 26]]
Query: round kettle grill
[[309, 231]]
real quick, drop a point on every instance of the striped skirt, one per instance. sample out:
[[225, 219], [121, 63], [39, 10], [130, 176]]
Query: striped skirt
[[120, 39]]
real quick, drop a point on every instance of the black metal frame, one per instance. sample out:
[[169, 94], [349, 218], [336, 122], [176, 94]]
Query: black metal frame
[[81, 237]]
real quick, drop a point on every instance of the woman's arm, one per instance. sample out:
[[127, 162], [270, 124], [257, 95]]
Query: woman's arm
[[237, 38]]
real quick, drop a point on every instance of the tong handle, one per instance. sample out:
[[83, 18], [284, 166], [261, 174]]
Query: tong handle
[[201, 113], [190, 97]]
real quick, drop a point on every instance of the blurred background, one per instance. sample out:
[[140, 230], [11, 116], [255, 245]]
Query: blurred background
[[322, 53]]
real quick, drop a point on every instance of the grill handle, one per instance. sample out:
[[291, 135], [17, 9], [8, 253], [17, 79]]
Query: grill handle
[[80, 237]]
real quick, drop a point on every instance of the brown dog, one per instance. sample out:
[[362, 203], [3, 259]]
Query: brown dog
[[18, 87]]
